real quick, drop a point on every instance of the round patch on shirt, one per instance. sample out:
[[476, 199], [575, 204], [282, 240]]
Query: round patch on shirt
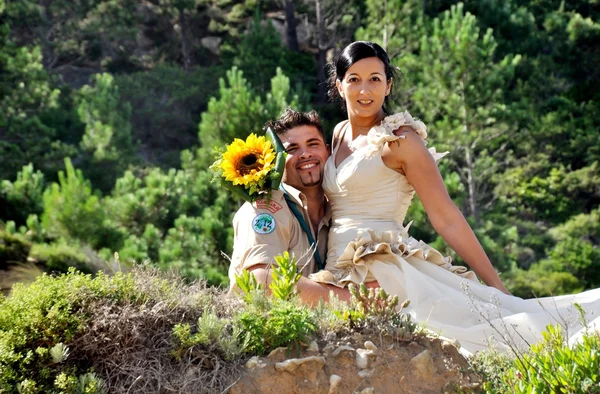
[[263, 223]]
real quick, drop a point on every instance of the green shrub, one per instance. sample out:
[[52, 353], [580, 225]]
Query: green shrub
[[35, 323], [210, 335], [59, 257], [73, 211], [284, 324], [22, 197], [374, 309], [550, 366], [13, 248]]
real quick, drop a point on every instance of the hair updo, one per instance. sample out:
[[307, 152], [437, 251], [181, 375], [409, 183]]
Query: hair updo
[[354, 52]]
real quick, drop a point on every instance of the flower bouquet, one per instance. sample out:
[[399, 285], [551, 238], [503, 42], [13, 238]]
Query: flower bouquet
[[250, 169]]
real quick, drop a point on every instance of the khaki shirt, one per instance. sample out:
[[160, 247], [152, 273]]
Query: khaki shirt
[[264, 230]]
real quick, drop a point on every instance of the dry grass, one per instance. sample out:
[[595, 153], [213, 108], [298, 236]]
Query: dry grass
[[131, 346]]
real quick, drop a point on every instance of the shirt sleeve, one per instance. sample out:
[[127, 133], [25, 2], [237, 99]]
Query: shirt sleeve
[[259, 236]]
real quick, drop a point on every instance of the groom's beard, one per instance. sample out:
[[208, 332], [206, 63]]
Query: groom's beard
[[310, 180]]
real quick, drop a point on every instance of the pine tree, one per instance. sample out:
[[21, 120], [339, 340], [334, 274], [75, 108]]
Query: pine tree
[[459, 94], [107, 138]]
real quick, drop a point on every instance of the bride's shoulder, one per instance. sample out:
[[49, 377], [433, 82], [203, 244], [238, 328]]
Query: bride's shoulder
[[392, 123]]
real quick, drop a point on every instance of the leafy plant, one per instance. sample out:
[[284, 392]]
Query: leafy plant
[[286, 323], [209, 334], [552, 366], [285, 276], [38, 320], [246, 282], [375, 308]]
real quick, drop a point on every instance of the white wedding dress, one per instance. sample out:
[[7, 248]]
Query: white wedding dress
[[367, 241]]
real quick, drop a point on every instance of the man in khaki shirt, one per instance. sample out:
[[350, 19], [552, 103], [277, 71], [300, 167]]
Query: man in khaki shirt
[[263, 230]]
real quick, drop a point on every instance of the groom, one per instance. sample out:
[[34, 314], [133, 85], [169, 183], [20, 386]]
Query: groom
[[296, 219]]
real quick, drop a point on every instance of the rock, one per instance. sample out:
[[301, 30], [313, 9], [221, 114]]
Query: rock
[[414, 344], [343, 348], [293, 364], [313, 347], [255, 362], [334, 384], [423, 365], [368, 390], [427, 365], [364, 357], [278, 355], [327, 350]]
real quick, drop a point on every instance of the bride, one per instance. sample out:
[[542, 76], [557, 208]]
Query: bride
[[377, 164]]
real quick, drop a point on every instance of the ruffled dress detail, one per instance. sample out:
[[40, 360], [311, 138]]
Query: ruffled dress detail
[[352, 264], [368, 241]]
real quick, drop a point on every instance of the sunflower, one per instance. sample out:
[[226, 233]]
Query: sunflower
[[248, 162]]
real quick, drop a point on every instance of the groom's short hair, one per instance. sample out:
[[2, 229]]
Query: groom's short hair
[[291, 119]]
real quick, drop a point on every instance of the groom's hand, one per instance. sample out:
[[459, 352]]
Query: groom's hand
[[372, 285]]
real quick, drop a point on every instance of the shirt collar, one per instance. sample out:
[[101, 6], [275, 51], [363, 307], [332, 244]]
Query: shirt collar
[[296, 195], [299, 198]]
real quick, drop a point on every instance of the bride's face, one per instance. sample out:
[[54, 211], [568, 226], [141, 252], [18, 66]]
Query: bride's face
[[307, 153], [364, 87]]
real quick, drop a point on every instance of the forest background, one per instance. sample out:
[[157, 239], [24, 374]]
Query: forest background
[[110, 109]]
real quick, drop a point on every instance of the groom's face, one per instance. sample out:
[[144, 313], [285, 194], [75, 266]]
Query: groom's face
[[307, 154]]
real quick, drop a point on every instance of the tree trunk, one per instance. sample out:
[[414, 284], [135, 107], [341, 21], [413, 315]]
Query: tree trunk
[[185, 43], [290, 21], [472, 187], [385, 26], [45, 34], [322, 57]]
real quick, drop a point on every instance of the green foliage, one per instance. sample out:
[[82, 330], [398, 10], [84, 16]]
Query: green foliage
[[492, 367], [107, 138], [71, 210], [285, 275], [22, 197], [25, 94], [239, 111], [247, 285], [541, 281], [35, 323], [188, 248], [59, 257], [167, 125], [284, 324], [466, 111], [552, 366], [14, 248], [375, 309], [394, 24], [259, 54], [209, 334], [146, 208]]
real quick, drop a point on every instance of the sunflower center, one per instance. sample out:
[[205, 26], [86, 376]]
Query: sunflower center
[[247, 163]]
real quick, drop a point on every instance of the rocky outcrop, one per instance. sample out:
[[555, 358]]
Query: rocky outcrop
[[358, 365]]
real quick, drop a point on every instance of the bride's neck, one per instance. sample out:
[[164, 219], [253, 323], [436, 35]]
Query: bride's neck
[[362, 125]]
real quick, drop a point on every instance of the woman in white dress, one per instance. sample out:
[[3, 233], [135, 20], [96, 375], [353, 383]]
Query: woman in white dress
[[377, 164]]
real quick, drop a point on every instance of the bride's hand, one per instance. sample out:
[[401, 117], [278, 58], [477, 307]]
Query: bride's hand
[[402, 130]]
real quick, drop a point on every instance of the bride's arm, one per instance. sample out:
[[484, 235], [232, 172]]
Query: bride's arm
[[410, 157]]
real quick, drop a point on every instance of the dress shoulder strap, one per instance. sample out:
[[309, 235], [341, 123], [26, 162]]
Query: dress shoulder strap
[[338, 135]]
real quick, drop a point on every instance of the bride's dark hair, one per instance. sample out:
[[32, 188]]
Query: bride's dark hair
[[354, 52]]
